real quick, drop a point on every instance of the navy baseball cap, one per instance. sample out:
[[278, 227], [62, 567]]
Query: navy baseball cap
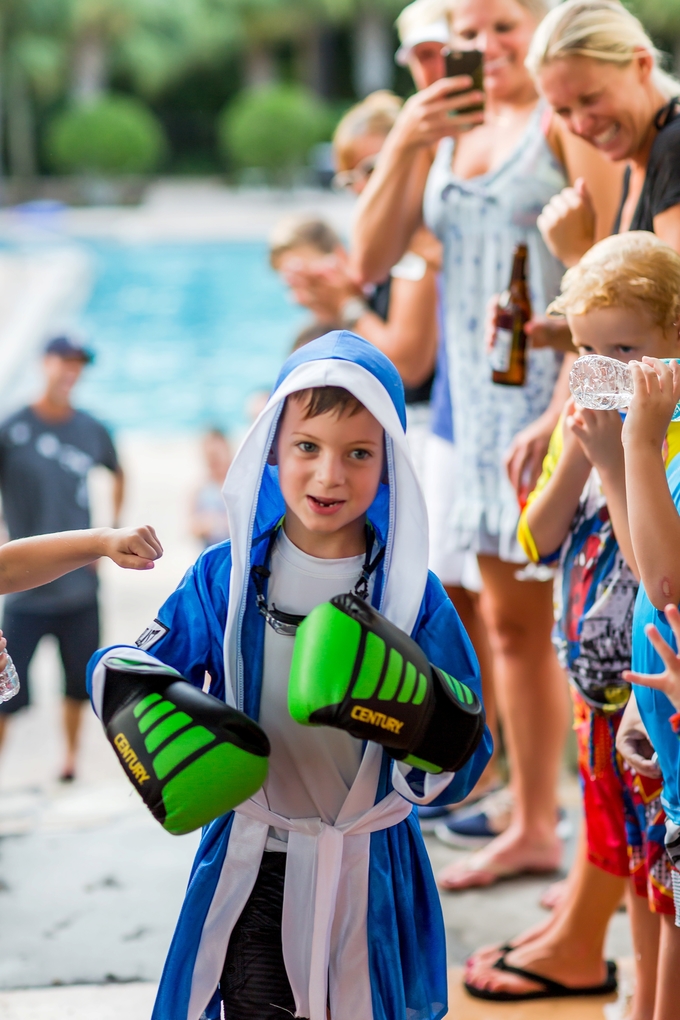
[[65, 348]]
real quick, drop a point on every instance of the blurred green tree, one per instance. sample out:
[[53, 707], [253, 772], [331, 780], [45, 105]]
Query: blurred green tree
[[32, 61], [74, 48], [272, 128], [109, 135], [153, 41], [52, 47], [302, 22], [661, 18]]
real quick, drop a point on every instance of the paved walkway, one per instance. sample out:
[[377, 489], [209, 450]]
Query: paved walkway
[[90, 885], [134, 1001], [175, 210]]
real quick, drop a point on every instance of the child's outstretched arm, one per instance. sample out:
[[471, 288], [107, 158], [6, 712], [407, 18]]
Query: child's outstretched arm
[[554, 502], [667, 682], [30, 562], [652, 515]]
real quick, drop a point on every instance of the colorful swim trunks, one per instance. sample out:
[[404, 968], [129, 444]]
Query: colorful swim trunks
[[625, 823], [650, 867], [602, 786]]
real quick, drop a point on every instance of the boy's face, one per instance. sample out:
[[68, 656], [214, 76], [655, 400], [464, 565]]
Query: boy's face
[[627, 334], [329, 469]]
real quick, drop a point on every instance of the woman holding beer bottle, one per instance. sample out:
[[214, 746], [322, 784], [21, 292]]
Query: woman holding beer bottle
[[481, 192]]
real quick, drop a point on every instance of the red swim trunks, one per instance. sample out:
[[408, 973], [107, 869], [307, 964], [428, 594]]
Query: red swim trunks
[[650, 867], [602, 787], [624, 820]]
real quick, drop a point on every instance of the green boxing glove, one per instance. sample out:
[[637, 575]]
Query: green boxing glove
[[354, 670], [189, 756]]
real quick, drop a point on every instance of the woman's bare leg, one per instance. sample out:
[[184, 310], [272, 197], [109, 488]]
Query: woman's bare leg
[[487, 955], [570, 949], [467, 605], [532, 703]]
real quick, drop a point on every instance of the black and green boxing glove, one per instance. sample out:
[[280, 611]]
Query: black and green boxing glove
[[189, 756], [354, 670]]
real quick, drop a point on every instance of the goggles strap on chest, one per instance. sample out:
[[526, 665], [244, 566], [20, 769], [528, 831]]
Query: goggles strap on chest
[[288, 623]]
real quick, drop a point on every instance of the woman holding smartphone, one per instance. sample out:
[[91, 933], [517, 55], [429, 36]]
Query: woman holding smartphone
[[481, 191]]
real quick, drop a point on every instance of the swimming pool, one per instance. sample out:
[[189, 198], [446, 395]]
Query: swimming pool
[[183, 333]]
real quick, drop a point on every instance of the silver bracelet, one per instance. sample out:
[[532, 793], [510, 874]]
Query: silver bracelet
[[351, 311]]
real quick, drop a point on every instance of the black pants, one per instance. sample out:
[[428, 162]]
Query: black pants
[[254, 984], [77, 633]]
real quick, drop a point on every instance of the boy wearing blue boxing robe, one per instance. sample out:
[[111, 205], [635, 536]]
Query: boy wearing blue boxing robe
[[316, 895]]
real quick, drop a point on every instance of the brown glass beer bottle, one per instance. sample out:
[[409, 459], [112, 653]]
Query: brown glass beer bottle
[[508, 354]]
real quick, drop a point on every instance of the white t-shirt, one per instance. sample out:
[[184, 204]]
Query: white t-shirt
[[311, 768]]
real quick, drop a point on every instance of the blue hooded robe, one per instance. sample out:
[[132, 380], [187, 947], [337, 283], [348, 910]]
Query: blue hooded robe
[[362, 925]]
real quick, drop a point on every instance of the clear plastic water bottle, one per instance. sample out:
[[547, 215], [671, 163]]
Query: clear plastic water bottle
[[9, 681], [604, 384]]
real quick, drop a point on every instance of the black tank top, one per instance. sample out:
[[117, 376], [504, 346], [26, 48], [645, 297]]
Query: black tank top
[[661, 187]]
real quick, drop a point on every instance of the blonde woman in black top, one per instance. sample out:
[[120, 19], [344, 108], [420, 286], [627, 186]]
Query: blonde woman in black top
[[599, 70]]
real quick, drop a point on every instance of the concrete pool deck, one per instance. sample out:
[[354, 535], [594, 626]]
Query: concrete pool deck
[[203, 209], [90, 886], [134, 1002]]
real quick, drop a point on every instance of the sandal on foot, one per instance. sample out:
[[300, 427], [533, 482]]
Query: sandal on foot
[[550, 990]]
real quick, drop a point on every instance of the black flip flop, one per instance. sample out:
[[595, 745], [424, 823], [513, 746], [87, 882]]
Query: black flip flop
[[502, 950], [551, 989]]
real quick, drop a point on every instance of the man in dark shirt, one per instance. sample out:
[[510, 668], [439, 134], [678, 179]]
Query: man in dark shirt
[[46, 453]]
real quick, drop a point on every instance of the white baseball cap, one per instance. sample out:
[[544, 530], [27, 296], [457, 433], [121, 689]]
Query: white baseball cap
[[419, 22]]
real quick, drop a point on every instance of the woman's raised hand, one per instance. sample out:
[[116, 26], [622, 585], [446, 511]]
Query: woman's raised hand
[[434, 113], [567, 223], [524, 456], [542, 331]]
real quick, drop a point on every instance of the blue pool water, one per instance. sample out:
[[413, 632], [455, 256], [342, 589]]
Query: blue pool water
[[183, 333]]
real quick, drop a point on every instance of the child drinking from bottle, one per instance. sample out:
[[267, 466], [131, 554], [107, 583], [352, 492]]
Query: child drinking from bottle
[[620, 302]]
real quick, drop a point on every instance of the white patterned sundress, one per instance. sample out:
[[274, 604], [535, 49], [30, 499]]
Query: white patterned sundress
[[479, 222]]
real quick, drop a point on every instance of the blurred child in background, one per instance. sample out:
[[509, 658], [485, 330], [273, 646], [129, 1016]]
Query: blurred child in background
[[209, 521]]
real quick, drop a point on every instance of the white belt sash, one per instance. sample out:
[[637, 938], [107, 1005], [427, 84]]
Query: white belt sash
[[325, 898]]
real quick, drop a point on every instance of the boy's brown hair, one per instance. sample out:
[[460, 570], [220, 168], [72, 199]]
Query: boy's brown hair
[[296, 231], [312, 332], [624, 271], [326, 399]]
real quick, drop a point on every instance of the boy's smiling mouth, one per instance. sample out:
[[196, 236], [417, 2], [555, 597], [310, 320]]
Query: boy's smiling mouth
[[321, 505]]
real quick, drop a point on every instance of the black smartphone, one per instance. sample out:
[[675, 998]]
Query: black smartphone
[[470, 62]]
